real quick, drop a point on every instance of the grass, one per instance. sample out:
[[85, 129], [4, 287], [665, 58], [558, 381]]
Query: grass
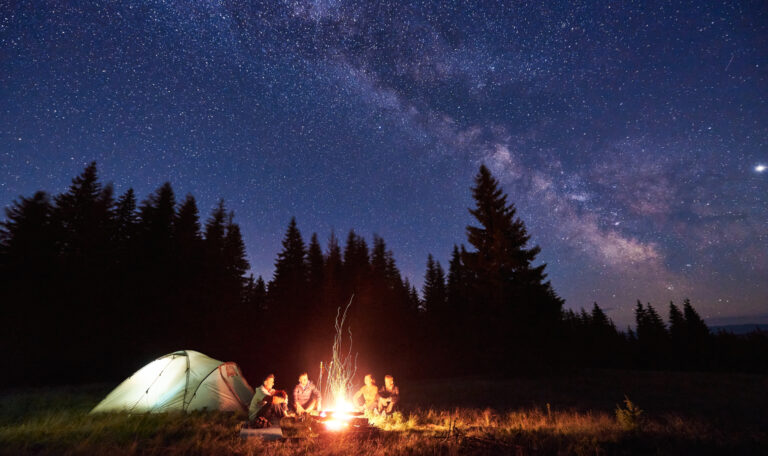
[[683, 413]]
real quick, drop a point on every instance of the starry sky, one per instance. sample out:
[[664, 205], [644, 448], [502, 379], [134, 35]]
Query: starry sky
[[632, 136]]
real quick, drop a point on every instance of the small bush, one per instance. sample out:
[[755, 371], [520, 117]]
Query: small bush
[[630, 416]]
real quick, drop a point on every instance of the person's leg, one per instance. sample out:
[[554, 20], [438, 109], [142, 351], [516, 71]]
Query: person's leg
[[272, 412]]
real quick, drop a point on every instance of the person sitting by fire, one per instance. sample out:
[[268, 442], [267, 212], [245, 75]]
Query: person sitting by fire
[[389, 396], [268, 405], [306, 397], [370, 394]]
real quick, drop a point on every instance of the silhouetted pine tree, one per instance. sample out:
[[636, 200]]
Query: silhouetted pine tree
[[434, 289], [215, 230], [652, 336], [255, 295], [286, 291], [31, 305], [315, 267], [677, 326], [186, 229], [414, 302], [232, 292], [509, 296], [82, 217], [607, 342], [332, 293], [157, 215], [698, 344], [235, 261], [356, 263], [126, 219], [26, 239], [456, 288], [697, 329]]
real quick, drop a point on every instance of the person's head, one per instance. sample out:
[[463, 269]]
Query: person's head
[[280, 397], [389, 381], [303, 379], [369, 380], [269, 381]]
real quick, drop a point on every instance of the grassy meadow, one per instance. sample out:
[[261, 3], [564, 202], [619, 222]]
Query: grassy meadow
[[676, 413]]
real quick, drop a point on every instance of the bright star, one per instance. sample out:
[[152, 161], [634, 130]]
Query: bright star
[[760, 168]]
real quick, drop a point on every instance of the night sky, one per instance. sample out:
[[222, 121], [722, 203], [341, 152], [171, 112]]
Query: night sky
[[632, 136]]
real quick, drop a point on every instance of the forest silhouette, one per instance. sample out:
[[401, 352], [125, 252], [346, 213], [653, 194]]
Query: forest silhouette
[[93, 286]]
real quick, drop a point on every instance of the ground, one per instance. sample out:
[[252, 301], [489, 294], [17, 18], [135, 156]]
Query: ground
[[575, 413]]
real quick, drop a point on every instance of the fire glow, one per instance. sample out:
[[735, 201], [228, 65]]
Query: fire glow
[[339, 418]]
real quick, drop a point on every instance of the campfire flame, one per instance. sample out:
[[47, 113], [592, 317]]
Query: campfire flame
[[341, 370], [339, 418]]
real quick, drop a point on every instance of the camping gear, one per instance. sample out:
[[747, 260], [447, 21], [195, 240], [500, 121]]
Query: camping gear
[[181, 381]]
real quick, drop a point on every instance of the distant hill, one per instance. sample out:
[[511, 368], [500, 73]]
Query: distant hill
[[740, 329]]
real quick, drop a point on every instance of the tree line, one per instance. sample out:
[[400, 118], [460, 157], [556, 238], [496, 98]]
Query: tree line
[[93, 286]]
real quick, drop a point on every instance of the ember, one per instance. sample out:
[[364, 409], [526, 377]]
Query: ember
[[343, 418], [337, 421]]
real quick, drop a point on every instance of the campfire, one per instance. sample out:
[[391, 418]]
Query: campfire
[[343, 418]]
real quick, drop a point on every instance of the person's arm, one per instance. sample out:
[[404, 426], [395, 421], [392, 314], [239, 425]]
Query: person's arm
[[314, 403], [395, 395], [296, 401], [356, 397]]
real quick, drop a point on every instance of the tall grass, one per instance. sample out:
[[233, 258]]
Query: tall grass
[[49, 421]]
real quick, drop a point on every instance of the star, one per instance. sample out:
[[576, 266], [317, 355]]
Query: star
[[760, 168]]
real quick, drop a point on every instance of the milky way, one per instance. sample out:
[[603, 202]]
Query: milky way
[[630, 137]]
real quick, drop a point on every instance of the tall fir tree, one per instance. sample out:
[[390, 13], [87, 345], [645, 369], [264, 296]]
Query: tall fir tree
[[235, 257], [677, 326], [126, 221], [434, 291], [509, 295], [315, 265], [290, 277]]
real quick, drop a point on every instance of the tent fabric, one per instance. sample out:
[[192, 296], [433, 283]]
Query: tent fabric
[[184, 380]]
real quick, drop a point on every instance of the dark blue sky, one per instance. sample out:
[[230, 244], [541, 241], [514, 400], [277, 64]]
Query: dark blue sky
[[629, 135]]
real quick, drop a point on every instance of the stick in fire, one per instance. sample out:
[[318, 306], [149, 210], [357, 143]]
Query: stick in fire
[[342, 368]]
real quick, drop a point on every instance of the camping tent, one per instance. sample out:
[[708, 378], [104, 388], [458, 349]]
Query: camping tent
[[183, 380]]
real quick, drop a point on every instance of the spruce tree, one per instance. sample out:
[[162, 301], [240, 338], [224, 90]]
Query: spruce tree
[[315, 265], [332, 292], [26, 238], [29, 299], [186, 225], [235, 261], [290, 277], [434, 289], [509, 295], [126, 220], [697, 329], [157, 214], [457, 282], [215, 230], [677, 326]]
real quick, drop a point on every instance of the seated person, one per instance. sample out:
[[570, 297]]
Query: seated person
[[389, 396], [268, 405], [370, 394], [306, 397]]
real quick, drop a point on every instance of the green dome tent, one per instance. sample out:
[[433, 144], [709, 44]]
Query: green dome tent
[[184, 380]]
